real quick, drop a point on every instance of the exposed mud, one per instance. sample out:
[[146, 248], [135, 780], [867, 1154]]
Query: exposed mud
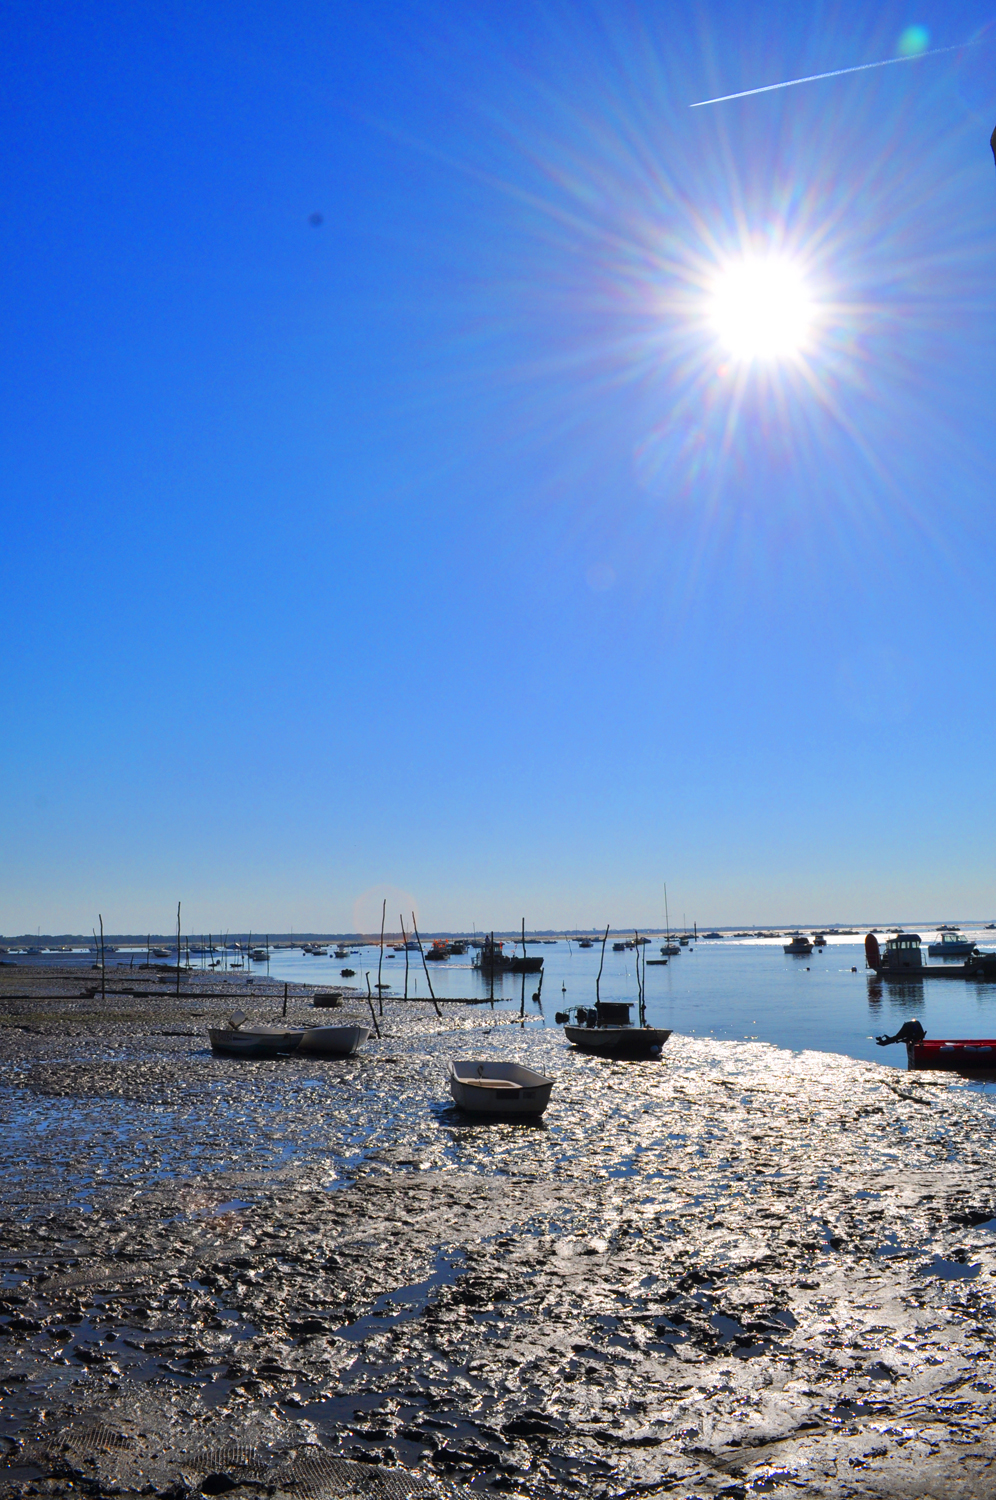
[[734, 1271]]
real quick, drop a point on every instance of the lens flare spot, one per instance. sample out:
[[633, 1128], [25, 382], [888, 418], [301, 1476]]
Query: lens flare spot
[[913, 40], [761, 308]]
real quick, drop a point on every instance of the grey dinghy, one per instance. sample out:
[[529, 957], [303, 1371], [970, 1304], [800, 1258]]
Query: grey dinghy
[[498, 1088], [237, 1040], [274, 1039], [334, 1041]]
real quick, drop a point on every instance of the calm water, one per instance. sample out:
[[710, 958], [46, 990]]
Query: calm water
[[729, 989]]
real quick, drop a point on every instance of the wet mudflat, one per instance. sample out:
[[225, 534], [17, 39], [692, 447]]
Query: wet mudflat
[[735, 1271]]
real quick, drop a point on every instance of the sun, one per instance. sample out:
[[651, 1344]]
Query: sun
[[761, 308]]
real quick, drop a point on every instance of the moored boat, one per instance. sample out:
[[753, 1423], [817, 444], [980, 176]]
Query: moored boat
[[607, 1027], [799, 944], [498, 1088], [951, 945], [334, 1041], [259, 1040]]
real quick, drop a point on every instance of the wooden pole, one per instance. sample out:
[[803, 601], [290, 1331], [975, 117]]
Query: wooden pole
[[492, 966], [598, 981], [405, 941], [373, 1013], [178, 950], [285, 997], [425, 966], [103, 971], [380, 961]]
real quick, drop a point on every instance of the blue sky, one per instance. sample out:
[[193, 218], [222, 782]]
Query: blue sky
[[437, 549]]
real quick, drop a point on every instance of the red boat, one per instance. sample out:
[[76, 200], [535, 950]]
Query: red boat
[[955, 1056]]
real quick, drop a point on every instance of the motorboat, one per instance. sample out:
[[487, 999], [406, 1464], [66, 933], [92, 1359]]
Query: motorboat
[[585, 943], [670, 950], [819, 940], [956, 1055], [498, 1088], [261, 1039], [607, 1027], [952, 945], [799, 944], [334, 1041], [439, 951]]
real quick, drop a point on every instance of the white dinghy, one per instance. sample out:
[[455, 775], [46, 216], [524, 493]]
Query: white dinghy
[[334, 1041], [256, 1040], [498, 1088]]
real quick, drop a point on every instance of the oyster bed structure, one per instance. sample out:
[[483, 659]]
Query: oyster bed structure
[[735, 1271]]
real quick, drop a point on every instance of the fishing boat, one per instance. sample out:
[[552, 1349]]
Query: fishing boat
[[585, 943], [498, 1088], [799, 944], [903, 959], [608, 1027], [439, 951], [334, 1041], [951, 945], [491, 958]]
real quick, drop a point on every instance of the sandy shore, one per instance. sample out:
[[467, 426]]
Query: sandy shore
[[736, 1271]]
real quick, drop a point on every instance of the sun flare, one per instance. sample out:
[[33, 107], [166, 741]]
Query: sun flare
[[761, 308]]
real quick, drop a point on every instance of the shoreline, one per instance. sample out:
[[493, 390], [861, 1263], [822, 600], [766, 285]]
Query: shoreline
[[733, 1267]]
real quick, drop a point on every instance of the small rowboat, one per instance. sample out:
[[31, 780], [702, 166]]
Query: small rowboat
[[334, 1041], [963, 1056], [254, 1041], [498, 1088]]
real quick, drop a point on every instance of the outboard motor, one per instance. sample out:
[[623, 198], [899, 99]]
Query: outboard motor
[[909, 1031]]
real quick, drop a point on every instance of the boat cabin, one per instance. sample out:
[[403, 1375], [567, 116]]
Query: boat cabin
[[606, 1013], [903, 951]]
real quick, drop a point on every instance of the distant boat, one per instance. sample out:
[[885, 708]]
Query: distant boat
[[439, 951], [491, 959], [799, 944], [498, 1088], [585, 943], [952, 945], [712, 935], [160, 953]]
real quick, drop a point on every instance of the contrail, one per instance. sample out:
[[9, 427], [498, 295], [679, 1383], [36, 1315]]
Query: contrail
[[835, 73]]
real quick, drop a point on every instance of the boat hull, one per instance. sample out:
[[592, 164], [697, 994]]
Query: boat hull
[[334, 1041], [498, 1088], [232, 1043], [964, 1056], [617, 1039]]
